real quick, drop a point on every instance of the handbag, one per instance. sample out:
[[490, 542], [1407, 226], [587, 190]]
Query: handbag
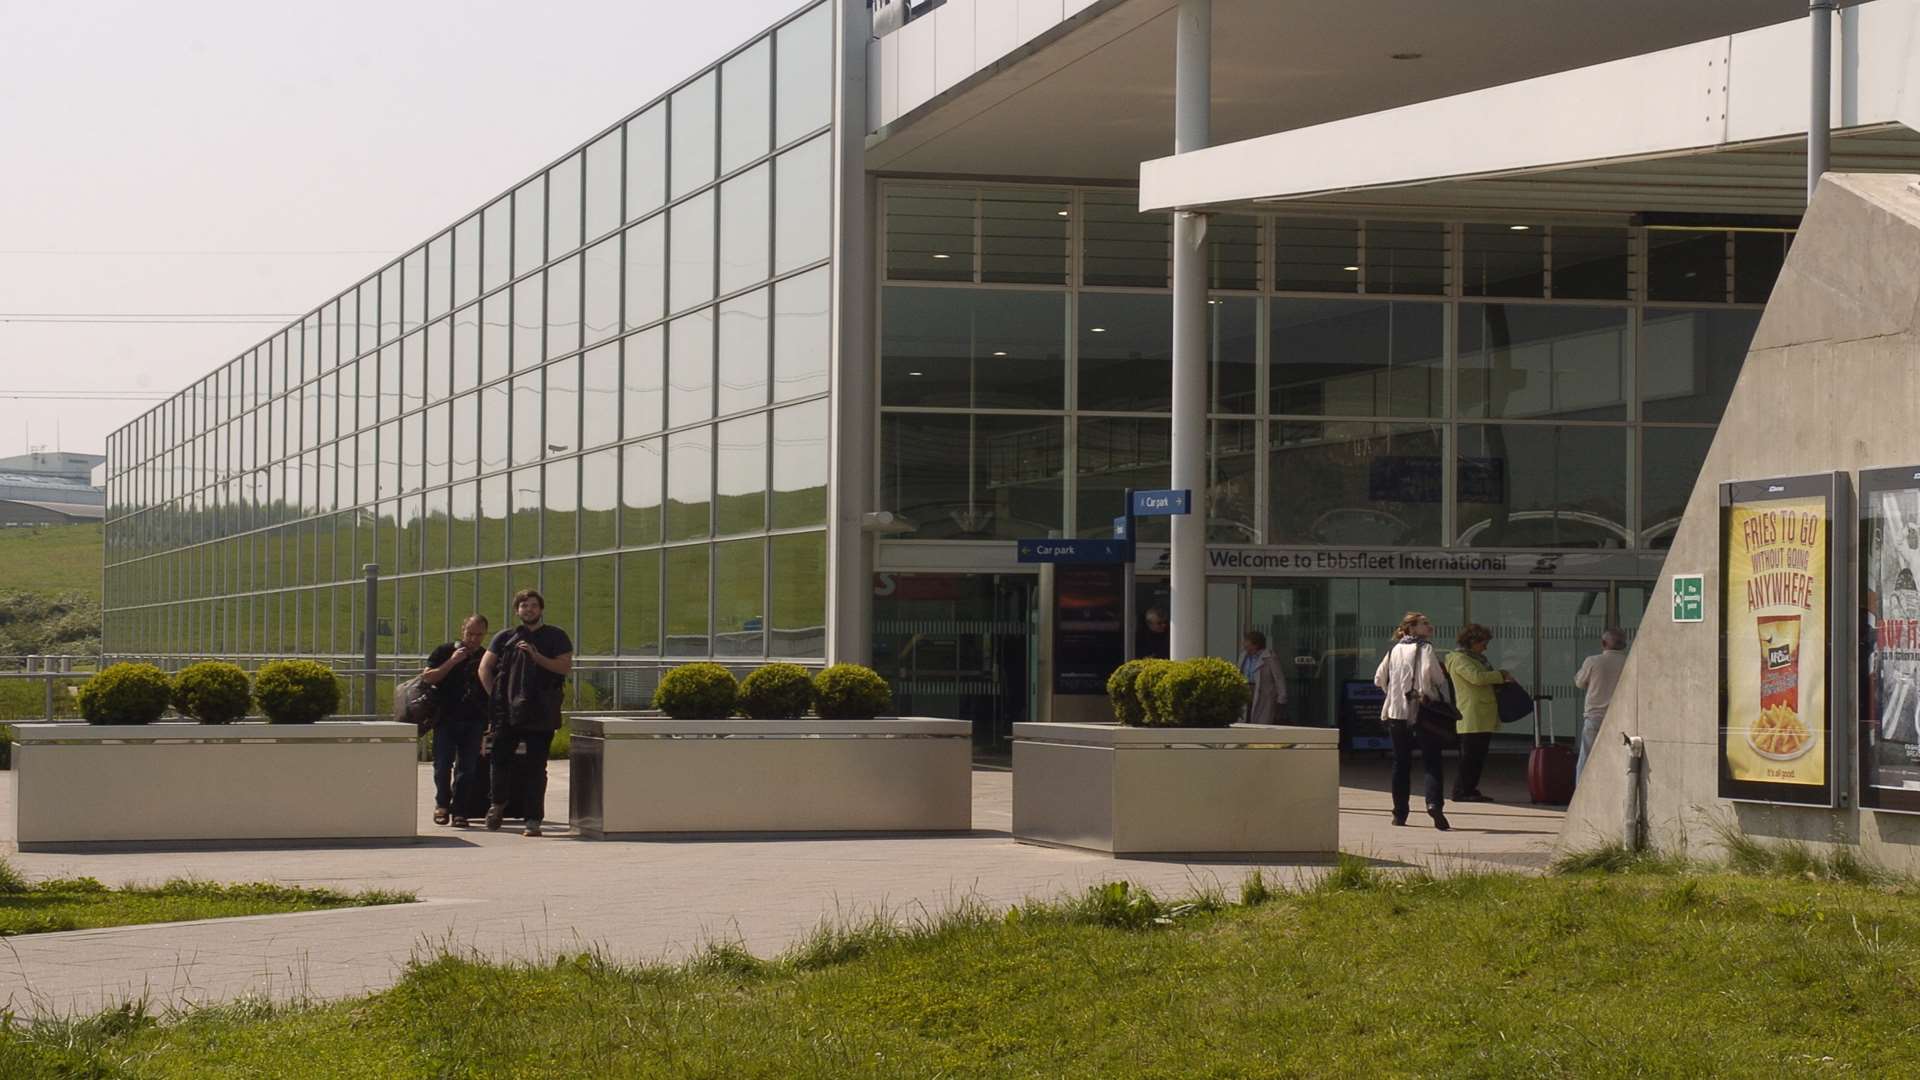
[[416, 703], [1513, 701]]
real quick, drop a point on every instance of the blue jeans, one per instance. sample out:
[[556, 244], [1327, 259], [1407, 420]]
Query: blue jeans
[[456, 761], [1589, 731]]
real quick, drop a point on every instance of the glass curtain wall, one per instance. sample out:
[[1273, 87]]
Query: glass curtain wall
[[608, 383], [1488, 384]]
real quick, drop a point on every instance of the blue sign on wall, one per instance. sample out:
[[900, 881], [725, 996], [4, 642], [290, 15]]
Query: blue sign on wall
[[1074, 551], [1161, 503]]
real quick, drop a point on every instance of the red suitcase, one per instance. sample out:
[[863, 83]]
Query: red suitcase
[[1550, 766]]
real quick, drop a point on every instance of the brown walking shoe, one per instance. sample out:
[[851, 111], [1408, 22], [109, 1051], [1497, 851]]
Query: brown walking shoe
[[439, 815]]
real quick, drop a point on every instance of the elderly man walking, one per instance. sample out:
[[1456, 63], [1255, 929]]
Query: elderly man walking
[[1598, 676]]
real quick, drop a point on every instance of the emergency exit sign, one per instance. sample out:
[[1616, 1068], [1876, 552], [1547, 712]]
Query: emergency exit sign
[[1689, 598]]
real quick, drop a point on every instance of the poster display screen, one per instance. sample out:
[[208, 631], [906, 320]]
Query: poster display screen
[[1778, 741], [1889, 654], [1089, 636]]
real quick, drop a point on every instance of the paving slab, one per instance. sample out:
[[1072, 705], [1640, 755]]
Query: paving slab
[[508, 896]]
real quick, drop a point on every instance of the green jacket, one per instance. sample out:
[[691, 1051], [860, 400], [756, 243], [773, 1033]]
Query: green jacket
[[1473, 683]]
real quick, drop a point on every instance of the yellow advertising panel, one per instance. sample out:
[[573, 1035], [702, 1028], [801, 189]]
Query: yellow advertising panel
[[1776, 604]]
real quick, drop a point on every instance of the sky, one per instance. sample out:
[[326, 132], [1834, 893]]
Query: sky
[[180, 180]]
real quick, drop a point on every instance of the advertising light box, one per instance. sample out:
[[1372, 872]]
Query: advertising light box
[[1782, 729], [1889, 654]]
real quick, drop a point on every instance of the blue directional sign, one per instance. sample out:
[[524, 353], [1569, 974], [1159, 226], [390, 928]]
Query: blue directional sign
[[1120, 528], [1161, 503], [1074, 551]]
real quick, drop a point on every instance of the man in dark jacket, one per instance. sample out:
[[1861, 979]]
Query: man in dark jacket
[[524, 673], [460, 717]]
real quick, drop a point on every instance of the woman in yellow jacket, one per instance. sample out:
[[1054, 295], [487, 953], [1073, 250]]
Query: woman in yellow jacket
[[1473, 683]]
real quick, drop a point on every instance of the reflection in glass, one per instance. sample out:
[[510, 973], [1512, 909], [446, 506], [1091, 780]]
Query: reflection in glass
[[1689, 361], [1115, 454], [1358, 358], [434, 532], [739, 598], [690, 368], [1233, 358], [1528, 360], [640, 603], [527, 411], [562, 501], [600, 395], [594, 633], [563, 406], [646, 162], [463, 456], [930, 234], [692, 134], [496, 336], [463, 510], [691, 279], [465, 353], [803, 205], [1406, 257], [689, 484], [603, 185], [640, 474], [961, 348], [523, 535], [600, 318], [496, 245], [413, 299], [1233, 252], [599, 499], [800, 465], [1354, 484], [646, 287], [746, 87], [1590, 262], [1686, 264], [439, 283], [495, 432], [563, 307], [1670, 463], [563, 206], [1316, 255], [799, 601], [1123, 246], [466, 260], [528, 323], [529, 225], [1232, 456], [493, 519], [743, 229], [803, 80], [643, 394], [558, 578], [686, 600], [743, 352], [800, 340], [740, 481], [1540, 486], [438, 441], [973, 477], [1126, 351]]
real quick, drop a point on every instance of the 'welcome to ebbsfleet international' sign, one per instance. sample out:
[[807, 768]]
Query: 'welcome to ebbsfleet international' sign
[[1417, 562]]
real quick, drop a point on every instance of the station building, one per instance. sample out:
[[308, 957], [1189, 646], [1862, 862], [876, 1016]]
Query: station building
[[780, 365]]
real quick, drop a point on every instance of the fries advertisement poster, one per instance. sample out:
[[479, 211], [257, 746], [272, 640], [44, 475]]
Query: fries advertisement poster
[[1776, 599]]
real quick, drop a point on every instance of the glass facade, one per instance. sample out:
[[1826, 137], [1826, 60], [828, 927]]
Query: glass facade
[[608, 383], [1520, 384]]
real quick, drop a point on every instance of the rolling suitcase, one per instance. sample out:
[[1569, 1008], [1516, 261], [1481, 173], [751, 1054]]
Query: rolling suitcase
[[1550, 766]]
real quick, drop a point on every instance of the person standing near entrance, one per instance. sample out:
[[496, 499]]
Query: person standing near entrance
[[524, 672], [1473, 683], [1411, 676], [1269, 686], [1598, 676], [460, 710]]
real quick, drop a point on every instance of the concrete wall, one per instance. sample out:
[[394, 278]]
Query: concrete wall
[[1832, 384]]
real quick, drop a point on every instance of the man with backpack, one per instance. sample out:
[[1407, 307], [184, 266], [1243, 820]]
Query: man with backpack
[[525, 674], [459, 711]]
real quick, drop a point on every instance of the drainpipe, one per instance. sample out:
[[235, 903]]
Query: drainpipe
[[1636, 815], [1192, 130], [1820, 91]]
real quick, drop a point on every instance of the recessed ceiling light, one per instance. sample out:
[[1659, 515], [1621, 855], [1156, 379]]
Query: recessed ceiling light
[[1062, 213], [1518, 228], [941, 255], [913, 373], [1216, 302], [1408, 55], [1351, 269], [1000, 352], [1097, 329]]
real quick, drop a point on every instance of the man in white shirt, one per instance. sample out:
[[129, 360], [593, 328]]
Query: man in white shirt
[[1598, 676]]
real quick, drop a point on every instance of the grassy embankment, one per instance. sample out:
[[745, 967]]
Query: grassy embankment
[[84, 903], [49, 603], [1623, 967]]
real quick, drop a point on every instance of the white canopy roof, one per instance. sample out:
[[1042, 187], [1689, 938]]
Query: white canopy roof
[[1715, 126]]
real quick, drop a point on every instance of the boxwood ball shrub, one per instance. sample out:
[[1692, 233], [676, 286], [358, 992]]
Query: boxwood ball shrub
[[1208, 692], [776, 692], [126, 694], [1150, 674], [1120, 693], [212, 692], [697, 692], [296, 691], [851, 692]]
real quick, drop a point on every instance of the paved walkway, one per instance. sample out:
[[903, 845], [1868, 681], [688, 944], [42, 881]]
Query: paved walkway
[[505, 895]]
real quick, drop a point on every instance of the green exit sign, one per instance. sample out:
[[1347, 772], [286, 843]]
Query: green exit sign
[[1689, 598]]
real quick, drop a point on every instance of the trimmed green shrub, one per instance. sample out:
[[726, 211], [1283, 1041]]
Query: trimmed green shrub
[[212, 692], [776, 692], [851, 692], [296, 691], [1120, 692], [1208, 692], [697, 692], [1149, 676], [126, 694]]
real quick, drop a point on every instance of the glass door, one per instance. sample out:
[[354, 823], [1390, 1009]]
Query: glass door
[[960, 646], [1542, 634]]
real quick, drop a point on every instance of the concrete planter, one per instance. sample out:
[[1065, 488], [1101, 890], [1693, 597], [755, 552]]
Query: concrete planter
[[77, 784], [659, 776], [1243, 790]]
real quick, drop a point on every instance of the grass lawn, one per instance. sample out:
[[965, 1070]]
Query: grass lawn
[[83, 903], [1657, 969], [51, 559]]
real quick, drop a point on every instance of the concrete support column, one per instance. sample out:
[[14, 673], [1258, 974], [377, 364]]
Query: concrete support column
[[1193, 100], [854, 415], [1819, 91]]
